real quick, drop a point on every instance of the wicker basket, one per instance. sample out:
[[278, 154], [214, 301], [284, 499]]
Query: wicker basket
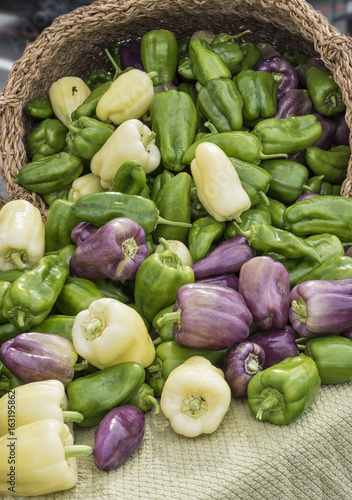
[[74, 45]]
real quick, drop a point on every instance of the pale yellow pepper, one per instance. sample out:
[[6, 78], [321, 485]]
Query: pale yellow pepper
[[195, 397], [129, 96], [38, 459], [66, 94], [35, 401], [131, 141], [85, 184], [22, 235], [111, 332], [219, 187]]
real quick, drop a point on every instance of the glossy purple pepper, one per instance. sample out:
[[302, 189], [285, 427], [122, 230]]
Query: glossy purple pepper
[[283, 72], [240, 365], [118, 436], [115, 250], [130, 55], [208, 317], [82, 231], [328, 132], [265, 286], [228, 257], [34, 356], [277, 343], [294, 103], [227, 279]]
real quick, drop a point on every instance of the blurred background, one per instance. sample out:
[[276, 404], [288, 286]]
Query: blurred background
[[21, 21]]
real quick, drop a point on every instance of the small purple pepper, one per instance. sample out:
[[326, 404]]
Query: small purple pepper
[[240, 365], [118, 436], [227, 279], [113, 251], [34, 356], [283, 72], [265, 286], [130, 55], [228, 257], [305, 196], [294, 103], [328, 128], [278, 344]]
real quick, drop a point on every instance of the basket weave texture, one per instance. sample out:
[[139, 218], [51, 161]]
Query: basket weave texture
[[74, 45]]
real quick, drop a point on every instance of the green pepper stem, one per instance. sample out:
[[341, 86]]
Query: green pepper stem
[[17, 258], [161, 220], [72, 416], [300, 308], [77, 450], [78, 367], [211, 127], [172, 317], [115, 66], [151, 74], [346, 243], [307, 188], [165, 244], [157, 341], [21, 318], [264, 198], [194, 405], [147, 139], [155, 369], [154, 402], [301, 347], [263, 156], [272, 400]]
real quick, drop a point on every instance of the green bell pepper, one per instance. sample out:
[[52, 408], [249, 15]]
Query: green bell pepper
[[157, 280], [251, 55], [288, 179], [31, 297], [39, 108], [255, 180], [159, 52], [97, 77], [259, 214], [8, 380], [203, 233], [95, 394], [76, 295], [4, 286], [174, 120], [259, 94], [165, 332], [57, 324], [170, 355], [8, 331], [173, 201], [326, 188], [333, 357], [160, 181], [47, 138], [276, 209], [324, 92], [314, 184], [190, 89], [329, 214], [281, 393], [338, 267], [61, 193], [60, 221], [110, 288], [89, 105], [50, 173], [221, 102], [331, 163], [206, 64], [87, 135], [230, 52], [130, 179], [288, 135]]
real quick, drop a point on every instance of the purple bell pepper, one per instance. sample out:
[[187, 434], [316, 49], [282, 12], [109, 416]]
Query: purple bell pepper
[[117, 436], [321, 307], [208, 317], [227, 279], [228, 257], [265, 286], [328, 128], [294, 103], [277, 343], [240, 364], [342, 132], [130, 55], [283, 72], [34, 356], [301, 70], [82, 231], [113, 251]]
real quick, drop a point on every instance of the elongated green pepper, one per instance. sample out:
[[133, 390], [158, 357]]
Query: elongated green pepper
[[276, 209], [338, 267], [130, 179], [331, 163], [159, 182], [174, 120], [76, 295], [60, 221], [288, 179], [229, 51], [157, 280], [255, 180], [206, 64], [159, 53], [100, 208], [203, 233], [57, 324], [251, 55], [32, 296], [259, 214], [281, 393], [47, 138], [88, 107], [95, 394]]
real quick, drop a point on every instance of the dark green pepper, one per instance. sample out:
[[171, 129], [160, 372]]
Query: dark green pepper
[[160, 181], [324, 92], [276, 209], [97, 77], [50, 173], [159, 52], [259, 214], [8, 331], [255, 180], [95, 394], [130, 179], [31, 297], [251, 55], [11, 274], [76, 295], [170, 355], [4, 286], [100, 208], [330, 189], [174, 120], [288, 179], [87, 135], [294, 56], [229, 51], [8, 380], [111, 289], [338, 267], [314, 184], [203, 233], [173, 201], [185, 68], [281, 393], [57, 324], [157, 280], [61, 193], [47, 138], [206, 64], [39, 108], [259, 94], [197, 209], [288, 135], [190, 89], [333, 357], [331, 163], [60, 221], [221, 102], [89, 105]]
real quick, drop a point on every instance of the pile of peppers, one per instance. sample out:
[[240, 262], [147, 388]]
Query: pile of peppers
[[196, 247]]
